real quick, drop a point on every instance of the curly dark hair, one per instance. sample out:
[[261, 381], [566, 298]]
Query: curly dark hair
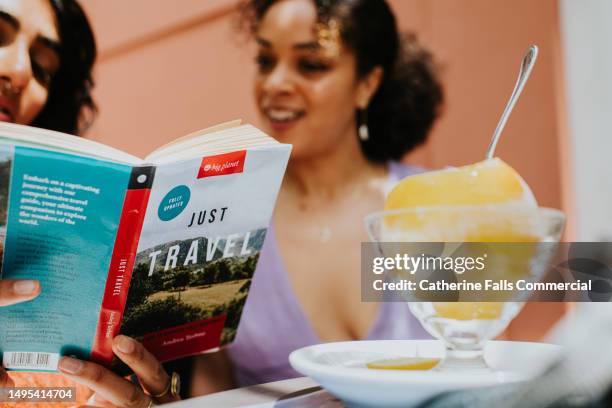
[[70, 107], [410, 96]]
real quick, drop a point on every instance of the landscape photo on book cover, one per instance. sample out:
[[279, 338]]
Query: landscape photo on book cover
[[179, 282]]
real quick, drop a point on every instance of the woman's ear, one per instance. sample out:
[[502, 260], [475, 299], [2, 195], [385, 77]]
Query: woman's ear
[[367, 87]]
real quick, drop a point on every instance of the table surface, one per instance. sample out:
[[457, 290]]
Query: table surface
[[298, 392]]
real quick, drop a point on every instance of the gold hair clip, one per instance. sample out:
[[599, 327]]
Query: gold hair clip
[[328, 36]]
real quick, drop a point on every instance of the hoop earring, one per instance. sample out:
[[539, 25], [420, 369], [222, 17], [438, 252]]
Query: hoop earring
[[363, 131]]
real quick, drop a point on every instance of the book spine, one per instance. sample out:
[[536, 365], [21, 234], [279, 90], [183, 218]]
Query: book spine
[[122, 262]]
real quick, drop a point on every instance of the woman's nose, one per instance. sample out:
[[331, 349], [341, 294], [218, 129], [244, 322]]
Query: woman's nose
[[16, 66], [279, 80]]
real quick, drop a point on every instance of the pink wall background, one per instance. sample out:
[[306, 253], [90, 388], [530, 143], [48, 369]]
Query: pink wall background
[[167, 68]]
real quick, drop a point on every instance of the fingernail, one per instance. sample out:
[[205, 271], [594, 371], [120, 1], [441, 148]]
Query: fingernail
[[70, 365], [125, 345], [25, 287]]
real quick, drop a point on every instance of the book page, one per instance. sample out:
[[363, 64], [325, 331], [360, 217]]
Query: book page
[[198, 133], [218, 139], [51, 140]]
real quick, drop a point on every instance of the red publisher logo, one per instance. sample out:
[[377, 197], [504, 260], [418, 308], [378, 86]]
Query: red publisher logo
[[221, 164]]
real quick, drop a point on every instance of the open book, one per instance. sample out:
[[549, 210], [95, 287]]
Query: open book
[[162, 248]]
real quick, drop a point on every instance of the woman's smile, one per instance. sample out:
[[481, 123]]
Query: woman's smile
[[282, 118]]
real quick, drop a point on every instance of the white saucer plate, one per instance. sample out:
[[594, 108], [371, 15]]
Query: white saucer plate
[[341, 369]]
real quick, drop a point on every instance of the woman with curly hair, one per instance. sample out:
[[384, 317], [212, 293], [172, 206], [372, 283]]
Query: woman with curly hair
[[336, 80]]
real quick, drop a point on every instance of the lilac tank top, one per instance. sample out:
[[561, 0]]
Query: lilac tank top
[[273, 323]]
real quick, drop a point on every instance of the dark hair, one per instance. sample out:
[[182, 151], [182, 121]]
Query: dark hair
[[408, 100], [70, 107]]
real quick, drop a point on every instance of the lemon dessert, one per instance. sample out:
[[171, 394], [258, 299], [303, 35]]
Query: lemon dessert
[[487, 195], [491, 187]]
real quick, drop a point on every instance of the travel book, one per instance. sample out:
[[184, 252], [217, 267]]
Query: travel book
[[162, 249]]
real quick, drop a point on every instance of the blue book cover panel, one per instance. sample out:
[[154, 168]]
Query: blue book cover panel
[[59, 215]]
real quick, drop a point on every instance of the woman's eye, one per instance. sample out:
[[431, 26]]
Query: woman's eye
[[264, 63], [7, 33], [309, 67], [45, 63], [42, 75]]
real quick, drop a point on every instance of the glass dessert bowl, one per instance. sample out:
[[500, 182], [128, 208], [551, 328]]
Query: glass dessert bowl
[[519, 241]]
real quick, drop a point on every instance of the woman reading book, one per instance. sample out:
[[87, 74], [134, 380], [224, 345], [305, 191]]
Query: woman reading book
[[47, 51]]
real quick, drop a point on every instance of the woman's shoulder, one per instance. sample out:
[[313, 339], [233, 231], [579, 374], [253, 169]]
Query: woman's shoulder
[[399, 170]]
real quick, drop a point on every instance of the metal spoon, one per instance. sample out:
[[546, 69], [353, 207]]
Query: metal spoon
[[526, 66]]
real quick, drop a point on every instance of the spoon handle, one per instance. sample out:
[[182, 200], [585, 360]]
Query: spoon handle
[[526, 66]]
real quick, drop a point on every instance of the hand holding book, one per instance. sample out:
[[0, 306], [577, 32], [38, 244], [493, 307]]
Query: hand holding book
[[106, 385], [109, 387]]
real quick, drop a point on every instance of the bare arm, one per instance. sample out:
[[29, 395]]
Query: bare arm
[[212, 372]]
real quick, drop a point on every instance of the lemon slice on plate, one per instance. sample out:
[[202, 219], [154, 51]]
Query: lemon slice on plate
[[404, 363]]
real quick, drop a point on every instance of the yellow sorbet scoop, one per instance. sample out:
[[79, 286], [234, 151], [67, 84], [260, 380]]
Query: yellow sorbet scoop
[[487, 182]]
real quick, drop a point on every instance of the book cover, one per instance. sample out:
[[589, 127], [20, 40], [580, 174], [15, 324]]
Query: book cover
[[62, 213], [205, 226], [163, 249]]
